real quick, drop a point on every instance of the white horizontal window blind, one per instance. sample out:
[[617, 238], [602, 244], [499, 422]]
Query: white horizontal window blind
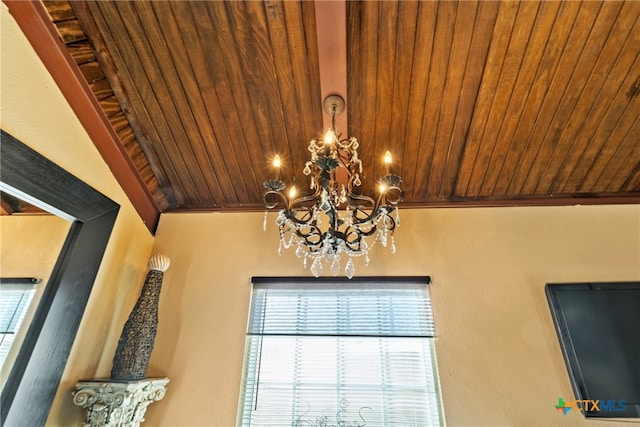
[[340, 353], [14, 302]]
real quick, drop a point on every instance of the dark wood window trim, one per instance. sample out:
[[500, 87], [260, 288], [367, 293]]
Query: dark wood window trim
[[28, 394]]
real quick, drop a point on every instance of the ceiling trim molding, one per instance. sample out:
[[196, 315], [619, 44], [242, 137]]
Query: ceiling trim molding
[[43, 36]]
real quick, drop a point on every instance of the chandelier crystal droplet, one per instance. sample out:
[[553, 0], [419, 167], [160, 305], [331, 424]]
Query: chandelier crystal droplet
[[335, 218]]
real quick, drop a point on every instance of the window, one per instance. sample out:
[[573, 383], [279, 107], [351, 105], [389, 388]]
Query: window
[[14, 302], [340, 352]]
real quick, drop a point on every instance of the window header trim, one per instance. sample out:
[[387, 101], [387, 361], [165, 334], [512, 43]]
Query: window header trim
[[256, 280]]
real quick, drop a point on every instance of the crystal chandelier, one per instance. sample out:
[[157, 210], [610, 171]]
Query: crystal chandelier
[[334, 220]]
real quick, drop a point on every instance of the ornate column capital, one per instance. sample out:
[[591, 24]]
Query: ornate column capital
[[117, 404]]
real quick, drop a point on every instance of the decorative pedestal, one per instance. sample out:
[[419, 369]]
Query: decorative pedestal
[[117, 404]]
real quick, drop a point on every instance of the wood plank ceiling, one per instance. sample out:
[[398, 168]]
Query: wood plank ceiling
[[481, 102]]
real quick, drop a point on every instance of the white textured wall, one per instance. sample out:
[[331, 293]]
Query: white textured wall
[[500, 362]]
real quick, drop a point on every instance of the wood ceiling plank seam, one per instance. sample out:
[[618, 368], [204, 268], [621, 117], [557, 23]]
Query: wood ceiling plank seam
[[81, 52], [118, 121], [224, 119], [355, 16], [499, 113], [632, 183], [626, 156], [421, 60], [606, 110], [554, 149], [136, 156], [367, 111], [152, 183], [128, 137], [362, 66], [305, 62], [213, 157], [531, 60], [609, 155], [132, 51], [312, 58], [70, 31], [273, 120], [59, 11], [287, 100], [187, 94], [385, 94], [539, 91], [251, 60], [618, 161], [287, 29], [569, 56], [590, 107], [406, 35], [111, 61], [101, 89], [170, 93], [219, 136], [488, 87], [486, 15], [239, 122], [438, 74], [137, 83], [92, 71], [464, 24], [110, 106]]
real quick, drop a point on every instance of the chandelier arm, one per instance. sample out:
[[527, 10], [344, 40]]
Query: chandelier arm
[[392, 222], [307, 216], [342, 154], [295, 202], [398, 199], [353, 246], [307, 237], [312, 245], [365, 233], [273, 204], [375, 204]]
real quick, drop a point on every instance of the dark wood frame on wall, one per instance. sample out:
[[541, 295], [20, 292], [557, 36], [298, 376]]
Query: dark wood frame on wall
[[28, 394]]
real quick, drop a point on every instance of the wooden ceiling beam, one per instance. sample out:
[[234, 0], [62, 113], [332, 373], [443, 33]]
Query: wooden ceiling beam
[[331, 28]]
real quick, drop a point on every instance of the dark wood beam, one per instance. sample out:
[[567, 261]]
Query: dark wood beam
[[36, 25]]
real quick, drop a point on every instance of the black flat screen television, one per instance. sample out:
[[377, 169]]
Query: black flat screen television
[[598, 326]]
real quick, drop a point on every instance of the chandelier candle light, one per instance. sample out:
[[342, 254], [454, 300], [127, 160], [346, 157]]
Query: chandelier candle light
[[333, 220]]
